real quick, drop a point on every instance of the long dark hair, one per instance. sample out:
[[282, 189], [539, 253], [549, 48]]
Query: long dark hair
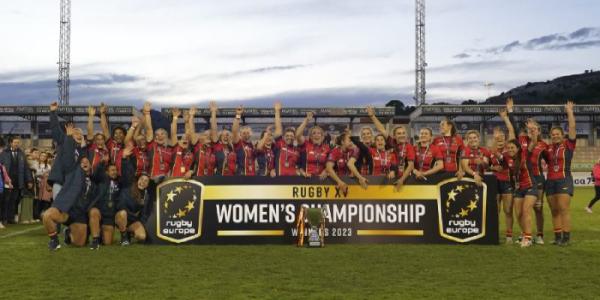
[[451, 123], [135, 192], [516, 160]]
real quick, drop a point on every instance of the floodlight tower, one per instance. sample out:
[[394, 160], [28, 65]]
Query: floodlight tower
[[420, 52], [64, 52]]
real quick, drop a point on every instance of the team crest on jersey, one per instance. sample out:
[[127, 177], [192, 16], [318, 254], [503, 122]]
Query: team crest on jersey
[[462, 210], [179, 206]]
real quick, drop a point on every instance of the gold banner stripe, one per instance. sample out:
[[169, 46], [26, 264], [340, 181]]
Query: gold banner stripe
[[390, 232], [250, 233], [327, 192]]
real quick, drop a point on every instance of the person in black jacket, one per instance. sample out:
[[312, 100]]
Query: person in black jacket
[[104, 205], [74, 173], [135, 201], [56, 178], [16, 165]]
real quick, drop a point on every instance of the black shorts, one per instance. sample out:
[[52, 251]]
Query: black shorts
[[131, 218], [77, 215], [540, 181], [504, 187], [521, 193], [107, 220], [559, 186]]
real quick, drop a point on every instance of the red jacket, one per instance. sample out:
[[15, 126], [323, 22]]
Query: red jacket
[[596, 174]]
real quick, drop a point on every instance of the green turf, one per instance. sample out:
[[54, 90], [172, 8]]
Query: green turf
[[392, 271]]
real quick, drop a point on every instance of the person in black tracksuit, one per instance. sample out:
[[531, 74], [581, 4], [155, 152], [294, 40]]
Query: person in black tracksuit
[[76, 232], [135, 201], [103, 207], [72, 170]]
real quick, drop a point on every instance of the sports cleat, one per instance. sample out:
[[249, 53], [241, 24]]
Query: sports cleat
[[509, 240], [539, 240], [67, 234], [95, 244], [53, 244], [588, 209], [525, 243], [125, 239]]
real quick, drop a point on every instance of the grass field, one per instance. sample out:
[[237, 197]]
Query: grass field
[[391, 271]]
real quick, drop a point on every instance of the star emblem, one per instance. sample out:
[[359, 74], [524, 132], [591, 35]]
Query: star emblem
[[463, 212], [171, 196], [472, 205], [181, 213], [179, 189], [190, 206], [460, 188], [452, 195]]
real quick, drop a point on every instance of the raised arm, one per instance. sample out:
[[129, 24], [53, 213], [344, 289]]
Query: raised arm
[[175, 112], [376, 122], [235, 127], [191, 127], [104, 121], [278, 127], [261, 143], [148, 122], [58, 134], [214, 136], [133, 130], [571, 119], [90, 123], [300, 129], [511, 130]]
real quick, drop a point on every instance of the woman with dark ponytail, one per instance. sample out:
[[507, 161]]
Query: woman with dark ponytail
[[135, 199]]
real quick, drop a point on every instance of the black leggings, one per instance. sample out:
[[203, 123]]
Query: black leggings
[[596, 198]]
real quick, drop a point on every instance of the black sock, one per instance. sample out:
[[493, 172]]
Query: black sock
[[566, 236], [558, 236], [592, 202], [54, 237]]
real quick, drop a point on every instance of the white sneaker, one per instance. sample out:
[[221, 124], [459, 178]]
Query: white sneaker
[[525, 243], [589, 210], [539, 240], [509, 240], [1, 226]]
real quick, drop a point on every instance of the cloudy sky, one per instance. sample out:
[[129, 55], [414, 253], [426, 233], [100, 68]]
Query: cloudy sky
[[304, 52]]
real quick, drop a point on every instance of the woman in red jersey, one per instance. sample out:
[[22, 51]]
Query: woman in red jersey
[[225, 156], [475, 159], [596, 178], [313, 150], [525, 193], [451, 145], [559, 186], [341, 162], [160, 150], [183, 154], [428, 157], [403, 150], [204, 158], [384, 160], [505, 188]]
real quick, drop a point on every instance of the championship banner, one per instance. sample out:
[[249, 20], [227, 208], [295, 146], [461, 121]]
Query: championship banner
[[263, 210]]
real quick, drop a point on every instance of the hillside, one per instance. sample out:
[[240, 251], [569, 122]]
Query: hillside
[[583, 88]]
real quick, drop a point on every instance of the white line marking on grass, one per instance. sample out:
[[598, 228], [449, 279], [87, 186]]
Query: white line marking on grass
[[21, 232]]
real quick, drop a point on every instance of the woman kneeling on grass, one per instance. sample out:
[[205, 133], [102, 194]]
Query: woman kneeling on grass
[[134, 199]]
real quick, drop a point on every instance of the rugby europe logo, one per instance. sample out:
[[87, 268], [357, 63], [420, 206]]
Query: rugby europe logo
[[462, 210], [179, 206]]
